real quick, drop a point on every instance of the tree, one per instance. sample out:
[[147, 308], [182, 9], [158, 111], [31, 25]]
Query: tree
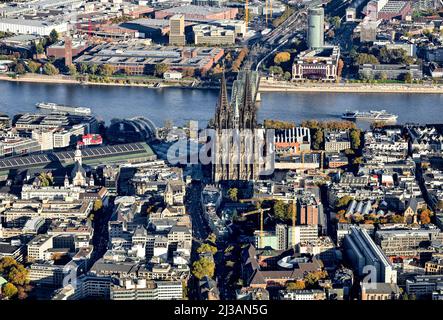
[[240, 57], [336, 21], [355, 139], [357, 160], [383, 76], [7, 263], [160, 69], [203, 267], [343, 201], [425, 216], [106, 70], [318, 139], [93, 68], [39, 48], [98, 205], [233, 194], [72, 69], [312, 278], [53, 36], [282, 211], [83, 68], [407, 77], [18, 275], [33, 66], [396, 218], [9, 290], [20, 68], [282, 57], [364, 58], [287, 76], [276, 70], [297, 285], [211, 238], [50, 69], [45, 179], [340, 66], [205, 248]]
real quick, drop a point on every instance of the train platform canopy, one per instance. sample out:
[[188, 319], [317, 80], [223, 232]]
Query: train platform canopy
[[93, 156]]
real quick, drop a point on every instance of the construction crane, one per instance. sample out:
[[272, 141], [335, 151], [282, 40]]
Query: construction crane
[[261, 211], [246, 14]]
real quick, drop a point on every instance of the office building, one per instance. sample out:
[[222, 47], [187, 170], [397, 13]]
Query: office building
[[177, 30], [316, 26], [213, 35], [34, 27], [362, 252], [317, 64]]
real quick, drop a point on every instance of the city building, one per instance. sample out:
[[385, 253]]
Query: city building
[[390, 71], [193, 12], [363, 252], [139, 58], [213, 35], [177, 30], [317, 64], [337, 141], [380, 291], [316, 20], [31, 26]]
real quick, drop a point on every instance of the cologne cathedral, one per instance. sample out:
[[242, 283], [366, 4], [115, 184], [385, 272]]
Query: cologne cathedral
[[237, 140]]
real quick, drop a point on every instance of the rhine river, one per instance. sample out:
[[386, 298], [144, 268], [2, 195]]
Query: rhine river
[[181, 105]]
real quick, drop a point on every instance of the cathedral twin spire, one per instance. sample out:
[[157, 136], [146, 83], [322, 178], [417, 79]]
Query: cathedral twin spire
[[225, 117]]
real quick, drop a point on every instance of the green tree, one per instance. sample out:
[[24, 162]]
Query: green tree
[[297, 285], [203, 267], [9, 290], [318, 139], [106, 70], [233, 194], [33, 66], [276, 70], [343, 201], [205, 248], [93, 69], [407, 77], [39, 48], [357, 160], [282, 210], [212, 238], [287, 76], [20, 68], [355, 139], [336, 21], [50, 69], [160, 69], [364, 58], [83, 68], [18, 275], [72, 69], [6, 264], [53, 36], [396, 218]]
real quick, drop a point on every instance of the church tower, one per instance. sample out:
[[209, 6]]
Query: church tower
[[234, 151], [78, 156]]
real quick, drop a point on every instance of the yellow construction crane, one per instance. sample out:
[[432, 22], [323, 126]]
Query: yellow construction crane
[[246, 14], [261, 211]]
